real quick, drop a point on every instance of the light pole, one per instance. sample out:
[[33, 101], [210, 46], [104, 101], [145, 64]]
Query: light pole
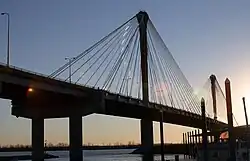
[[127, 79], [245, 110], [70, 61], [8, 41], [159, 91]]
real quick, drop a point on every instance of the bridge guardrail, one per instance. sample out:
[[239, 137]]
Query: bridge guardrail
[[58, 79], [22, 69], [40, 74]]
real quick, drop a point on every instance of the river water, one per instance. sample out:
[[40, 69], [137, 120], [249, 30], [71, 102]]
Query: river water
[[97, 155]]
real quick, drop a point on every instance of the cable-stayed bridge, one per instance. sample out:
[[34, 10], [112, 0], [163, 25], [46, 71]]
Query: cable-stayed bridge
[[128, 73]]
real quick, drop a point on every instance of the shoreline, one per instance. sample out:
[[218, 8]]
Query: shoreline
[[25, 157], [168, 149]]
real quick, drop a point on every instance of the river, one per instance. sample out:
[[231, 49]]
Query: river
[[96, 155]]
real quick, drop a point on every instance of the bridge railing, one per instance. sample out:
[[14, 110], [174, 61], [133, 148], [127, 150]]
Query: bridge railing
[[38, 74], [22, 69], [58, 79]]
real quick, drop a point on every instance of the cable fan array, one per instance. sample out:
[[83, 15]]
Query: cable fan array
[[114, 64], [220, 101], [166, 78]]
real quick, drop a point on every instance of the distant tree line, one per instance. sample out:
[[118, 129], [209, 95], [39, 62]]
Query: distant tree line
[[61, 144]]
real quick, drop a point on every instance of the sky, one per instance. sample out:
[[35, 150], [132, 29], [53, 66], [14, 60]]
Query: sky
[[204, 37]]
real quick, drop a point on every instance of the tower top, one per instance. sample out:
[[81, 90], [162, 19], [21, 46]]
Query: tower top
[[142, 16], [227, 81], [212, 77]]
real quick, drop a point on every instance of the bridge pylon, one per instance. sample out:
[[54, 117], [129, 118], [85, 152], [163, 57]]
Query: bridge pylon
[[213, 89], [146, 125]]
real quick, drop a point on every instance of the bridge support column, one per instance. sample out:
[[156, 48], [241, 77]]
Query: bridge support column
[[184, 143], [75, 138], [147, 140], [162, 136], [204, 130], [186, 146], [37, 139]]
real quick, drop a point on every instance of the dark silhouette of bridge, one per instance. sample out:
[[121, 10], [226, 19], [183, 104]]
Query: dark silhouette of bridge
[[128, 73]]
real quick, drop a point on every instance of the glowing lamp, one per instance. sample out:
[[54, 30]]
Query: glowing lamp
[[30, 90]]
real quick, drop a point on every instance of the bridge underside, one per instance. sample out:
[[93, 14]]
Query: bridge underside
[[121, 109], [46, 104]]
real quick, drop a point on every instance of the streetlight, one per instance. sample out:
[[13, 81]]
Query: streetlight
[[159, 91], [127, 79], [30, 90], [70, 61], [8, 41]]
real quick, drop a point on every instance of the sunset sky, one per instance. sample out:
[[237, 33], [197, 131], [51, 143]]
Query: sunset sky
[[204, 37]]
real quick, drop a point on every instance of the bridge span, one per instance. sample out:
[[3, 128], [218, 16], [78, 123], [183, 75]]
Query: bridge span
[[129, 73], [38, 97], [34, 95]]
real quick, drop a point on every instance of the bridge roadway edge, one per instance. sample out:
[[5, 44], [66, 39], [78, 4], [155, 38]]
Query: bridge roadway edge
[[62, 98]]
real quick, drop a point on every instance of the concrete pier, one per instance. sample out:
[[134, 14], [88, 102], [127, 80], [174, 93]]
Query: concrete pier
[[147, 135], [162, 136], [37, 139], [75, 138]]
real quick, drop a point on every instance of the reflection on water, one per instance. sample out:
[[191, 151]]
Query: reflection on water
[[98, 155]]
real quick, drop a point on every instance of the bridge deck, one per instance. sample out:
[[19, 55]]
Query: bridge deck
[[53, 98]]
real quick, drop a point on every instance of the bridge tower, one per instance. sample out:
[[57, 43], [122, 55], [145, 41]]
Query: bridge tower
[[214, 99], [213, 86], [232, 143], [146, 125]]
